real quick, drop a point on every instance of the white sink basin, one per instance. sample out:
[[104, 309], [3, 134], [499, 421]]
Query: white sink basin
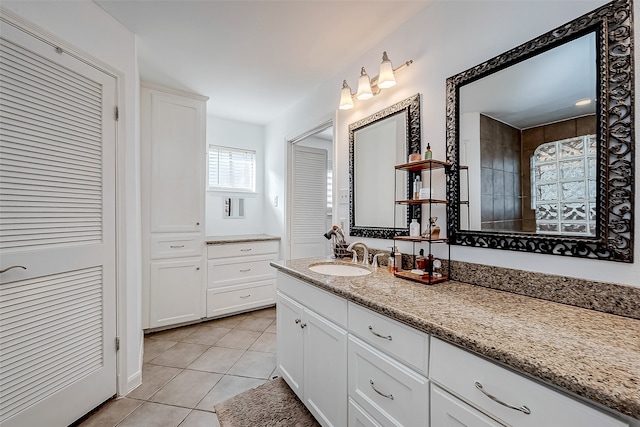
[[339, 269]]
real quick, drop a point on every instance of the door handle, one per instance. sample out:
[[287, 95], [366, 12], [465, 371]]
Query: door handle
[[12, 267]]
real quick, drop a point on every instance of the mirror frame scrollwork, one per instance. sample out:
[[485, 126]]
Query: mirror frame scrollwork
[[612, 24], [411, 106]]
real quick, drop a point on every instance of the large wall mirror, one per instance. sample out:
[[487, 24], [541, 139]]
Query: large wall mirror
[[376, 144], [541, 143]]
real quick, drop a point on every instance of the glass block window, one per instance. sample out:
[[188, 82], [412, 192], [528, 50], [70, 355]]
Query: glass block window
[[563, 184]]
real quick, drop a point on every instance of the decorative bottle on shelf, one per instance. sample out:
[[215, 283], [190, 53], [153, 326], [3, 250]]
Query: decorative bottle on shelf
[[414, 228], [428, 155], [417, 185]]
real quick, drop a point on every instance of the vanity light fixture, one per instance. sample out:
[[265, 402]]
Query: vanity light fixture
[[367, 88]]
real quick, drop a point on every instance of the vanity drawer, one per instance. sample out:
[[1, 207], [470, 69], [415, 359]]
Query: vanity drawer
[[233, 271], [322, 302], [389, 391], [458, 371], [240, 298], [359, 418], [398, 340], [174, 246], [226, 250]]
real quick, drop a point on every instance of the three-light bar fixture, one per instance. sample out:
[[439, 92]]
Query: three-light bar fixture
[[367, 88]]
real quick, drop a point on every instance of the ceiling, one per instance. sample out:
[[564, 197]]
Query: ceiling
[[255, 59], [540, 90]]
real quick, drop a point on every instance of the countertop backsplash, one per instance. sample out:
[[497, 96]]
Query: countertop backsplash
[[622, 300]]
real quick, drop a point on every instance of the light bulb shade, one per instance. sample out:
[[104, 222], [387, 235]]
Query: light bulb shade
[[364, 86], [386, 78], [346, 101]]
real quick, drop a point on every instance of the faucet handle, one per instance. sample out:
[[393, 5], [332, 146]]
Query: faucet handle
[[374, 263], [355, 257]]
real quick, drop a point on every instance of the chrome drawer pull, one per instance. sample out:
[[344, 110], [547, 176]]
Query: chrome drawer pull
[[245, 296], [12, 267], [388, 337], [373, 386], [176, 246], [245, 270], [245, 250], [523, 408]]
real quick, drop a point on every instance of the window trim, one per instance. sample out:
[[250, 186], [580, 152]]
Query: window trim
[[221, 189]]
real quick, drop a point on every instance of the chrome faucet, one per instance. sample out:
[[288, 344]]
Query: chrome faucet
[[365, 258]]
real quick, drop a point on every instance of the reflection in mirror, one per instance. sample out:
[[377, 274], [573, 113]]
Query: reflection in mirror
[[373, 152], [376, 144], [527, 135], [540, 141]]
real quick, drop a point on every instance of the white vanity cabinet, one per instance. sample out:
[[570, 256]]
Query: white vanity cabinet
[[173, 156], [240, 277], [448, 411], [312, 348], [502, 394], [387, 370]]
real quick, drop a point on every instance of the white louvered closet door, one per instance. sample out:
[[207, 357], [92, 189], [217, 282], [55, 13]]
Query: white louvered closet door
[[308, 202], [57, 224]]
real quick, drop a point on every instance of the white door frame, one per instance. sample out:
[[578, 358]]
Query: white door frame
[[123, 384], [289, 142]]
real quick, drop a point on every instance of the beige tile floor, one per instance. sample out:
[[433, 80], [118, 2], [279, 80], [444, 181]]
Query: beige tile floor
[[188, 370]]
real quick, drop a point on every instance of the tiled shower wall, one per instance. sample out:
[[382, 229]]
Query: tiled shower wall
[[500, 175]]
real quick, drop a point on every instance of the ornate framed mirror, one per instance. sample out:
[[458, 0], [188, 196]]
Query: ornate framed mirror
[[540, 139], [376, 144]]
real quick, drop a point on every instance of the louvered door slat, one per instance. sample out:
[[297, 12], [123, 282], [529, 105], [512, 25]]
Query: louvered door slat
[[27, 133], [47, 153], [34, 141], [22, 91], [51, 76], [75, 300]]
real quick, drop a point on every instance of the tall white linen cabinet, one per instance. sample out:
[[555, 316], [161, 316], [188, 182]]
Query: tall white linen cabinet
[[173, 156]]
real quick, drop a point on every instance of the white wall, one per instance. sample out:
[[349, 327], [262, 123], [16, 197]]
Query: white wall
[[446, 38], [107, 41], [230, 133]]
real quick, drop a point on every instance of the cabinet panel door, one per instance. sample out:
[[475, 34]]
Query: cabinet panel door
[[325, 370], [290, 335], [177, 163], [447, 411], [176, 292]]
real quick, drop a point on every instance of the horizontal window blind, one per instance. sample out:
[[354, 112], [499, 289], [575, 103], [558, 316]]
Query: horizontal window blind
[[231, 169]]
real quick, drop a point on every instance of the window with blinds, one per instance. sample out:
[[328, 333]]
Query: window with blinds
[[231, 169]]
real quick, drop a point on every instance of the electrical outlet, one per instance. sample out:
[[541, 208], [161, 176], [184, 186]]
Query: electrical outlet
[[342, 220], [343, 196], [275, 201]]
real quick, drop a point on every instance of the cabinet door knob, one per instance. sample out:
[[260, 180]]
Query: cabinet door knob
[[197, 223], [197, 268], [304, 325], [522, 409]]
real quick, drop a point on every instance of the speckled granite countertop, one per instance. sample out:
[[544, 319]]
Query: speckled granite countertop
[[592, 354], [241, 238]]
